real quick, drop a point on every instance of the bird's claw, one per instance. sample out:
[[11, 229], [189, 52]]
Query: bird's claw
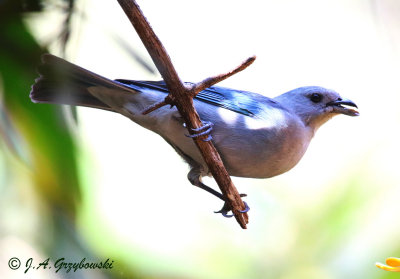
[[202, 131], [226, 208]]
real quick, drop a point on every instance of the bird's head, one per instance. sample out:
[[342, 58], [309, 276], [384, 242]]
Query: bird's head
[[315, 105]]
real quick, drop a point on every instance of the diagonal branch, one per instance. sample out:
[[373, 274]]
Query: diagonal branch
[[153, 45], [182, 97]]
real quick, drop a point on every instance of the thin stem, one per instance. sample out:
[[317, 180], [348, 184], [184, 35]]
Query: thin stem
[[208, 82], [167, 101]]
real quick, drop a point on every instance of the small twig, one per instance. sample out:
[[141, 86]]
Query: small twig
[[208, 82], [167, 101], [182, 97], [200, 86], [154, 107]]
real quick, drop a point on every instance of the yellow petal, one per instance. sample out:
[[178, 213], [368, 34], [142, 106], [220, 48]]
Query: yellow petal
[[395, 262], [388, 268]]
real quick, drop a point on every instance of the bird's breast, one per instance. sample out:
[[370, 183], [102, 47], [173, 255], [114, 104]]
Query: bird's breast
[[261, 148]]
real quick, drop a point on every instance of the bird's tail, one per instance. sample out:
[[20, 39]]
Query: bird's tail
[[61, 82]]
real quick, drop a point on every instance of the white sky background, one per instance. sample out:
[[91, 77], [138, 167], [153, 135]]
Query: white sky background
[[140, 187]]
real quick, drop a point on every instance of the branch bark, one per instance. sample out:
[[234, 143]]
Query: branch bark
[[181, 96]]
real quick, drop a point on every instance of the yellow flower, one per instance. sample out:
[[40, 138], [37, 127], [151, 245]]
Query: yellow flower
[[392, 264]]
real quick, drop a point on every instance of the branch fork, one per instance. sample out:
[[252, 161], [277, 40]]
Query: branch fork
[[181, 95], [195, 89]]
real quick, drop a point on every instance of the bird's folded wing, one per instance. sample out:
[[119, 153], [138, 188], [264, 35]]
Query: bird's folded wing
[[243, 102]]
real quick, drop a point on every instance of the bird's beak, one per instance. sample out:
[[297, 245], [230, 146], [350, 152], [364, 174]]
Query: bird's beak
[[342, 106]]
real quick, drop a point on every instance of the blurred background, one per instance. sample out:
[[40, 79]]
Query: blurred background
[[92, 184]]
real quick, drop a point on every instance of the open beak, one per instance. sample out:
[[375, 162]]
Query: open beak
[[343, 106]]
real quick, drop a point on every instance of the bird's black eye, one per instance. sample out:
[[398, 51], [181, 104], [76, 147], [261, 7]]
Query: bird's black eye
[[316, 97]]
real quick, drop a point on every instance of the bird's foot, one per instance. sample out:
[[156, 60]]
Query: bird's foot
[[226, 208], [202, 131]]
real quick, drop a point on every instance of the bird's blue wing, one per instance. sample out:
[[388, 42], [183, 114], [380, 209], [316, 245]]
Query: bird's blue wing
[[243, 102]]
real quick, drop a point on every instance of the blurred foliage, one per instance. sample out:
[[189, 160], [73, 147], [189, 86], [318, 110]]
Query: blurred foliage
[[49, 148], [40, 135], [38, 138]]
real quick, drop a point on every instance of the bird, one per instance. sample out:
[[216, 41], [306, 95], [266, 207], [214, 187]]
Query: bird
[[256, 136]]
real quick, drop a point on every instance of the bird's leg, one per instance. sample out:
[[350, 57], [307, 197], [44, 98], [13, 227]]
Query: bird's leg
[[194, 178], [202, 131], [226, 208]]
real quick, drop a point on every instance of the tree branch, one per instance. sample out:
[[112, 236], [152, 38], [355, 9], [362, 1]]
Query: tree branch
[[182, 97]]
